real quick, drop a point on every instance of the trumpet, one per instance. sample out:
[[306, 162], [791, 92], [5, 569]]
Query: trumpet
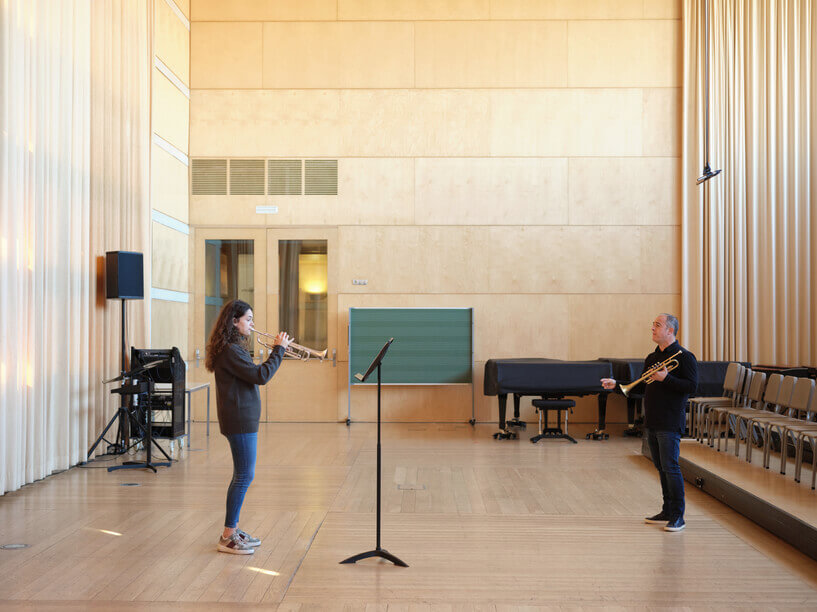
[[670, 363], [293, 351]]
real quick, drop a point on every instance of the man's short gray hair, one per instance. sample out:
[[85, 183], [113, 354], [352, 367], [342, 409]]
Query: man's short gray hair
[[672, 321]]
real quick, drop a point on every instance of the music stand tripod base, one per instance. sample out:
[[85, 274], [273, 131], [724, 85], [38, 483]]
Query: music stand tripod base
[[377, 552], [599, 434]]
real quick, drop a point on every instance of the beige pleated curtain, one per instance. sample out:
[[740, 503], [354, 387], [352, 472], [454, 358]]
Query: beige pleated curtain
[[749, 287], [74, 172]]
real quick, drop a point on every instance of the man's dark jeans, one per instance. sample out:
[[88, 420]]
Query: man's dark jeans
[[665, 447]]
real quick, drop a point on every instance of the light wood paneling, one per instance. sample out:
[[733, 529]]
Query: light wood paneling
[[240, 123], [617, 325], [377, 123], [184, 6], [221, 211], [625, 191], [225, 55], [572, 122], [484, 191], [168, 328], [661, 122], [567, 9], [169, 252], [333, 55], [663, 9], [491, 54], [171, 40], [413, 10], [623, 53], [264, 10], [541, 259], [506, 326], [661, 259], [168, 184], [171, 112]]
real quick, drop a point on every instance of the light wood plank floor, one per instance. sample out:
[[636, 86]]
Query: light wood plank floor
[[484, 525]]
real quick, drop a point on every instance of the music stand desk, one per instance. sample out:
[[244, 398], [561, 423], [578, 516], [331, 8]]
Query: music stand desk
[[189, 389]]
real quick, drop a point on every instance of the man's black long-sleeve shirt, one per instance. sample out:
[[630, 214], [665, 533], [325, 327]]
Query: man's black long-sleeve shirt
[[665, 401]]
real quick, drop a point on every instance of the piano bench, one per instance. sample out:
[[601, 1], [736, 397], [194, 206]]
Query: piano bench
[[542, 407]]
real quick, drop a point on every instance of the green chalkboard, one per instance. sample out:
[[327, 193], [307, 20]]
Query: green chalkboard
[[432, 346]]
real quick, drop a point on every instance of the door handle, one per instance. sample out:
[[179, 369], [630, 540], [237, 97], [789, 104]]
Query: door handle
[[334, 358]]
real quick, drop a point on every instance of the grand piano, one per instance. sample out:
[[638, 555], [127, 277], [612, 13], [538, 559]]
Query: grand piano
[[548, 379]]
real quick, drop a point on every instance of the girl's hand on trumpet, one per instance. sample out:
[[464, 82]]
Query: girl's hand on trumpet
[[608, 383], [282, 339]]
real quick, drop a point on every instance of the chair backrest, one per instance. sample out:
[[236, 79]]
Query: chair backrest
[[801, 396], [812, 407], [772, 391], [784, 397], [756, 388], [732, 379]]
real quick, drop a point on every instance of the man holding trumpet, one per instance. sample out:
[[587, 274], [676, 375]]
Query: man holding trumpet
[[665, 399]]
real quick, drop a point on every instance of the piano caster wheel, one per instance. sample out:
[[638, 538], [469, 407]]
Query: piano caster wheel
[[517, 423], [471, 421], [504, 435], [597, 435], [633, 432]]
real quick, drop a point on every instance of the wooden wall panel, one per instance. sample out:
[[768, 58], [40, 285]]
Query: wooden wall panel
[[638, 53], [171, 116], [170, 258], [329, 54], [491, 54], [625, 191], [171, 41], [567, 9], [566, 122], [661, 122], [409, 10], [508, 259], [264, 10], [168, 184], [225, 55], [616, 325], [168, 327], [491, 191], [505, 326]]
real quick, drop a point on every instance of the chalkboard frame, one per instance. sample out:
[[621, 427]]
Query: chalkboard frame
[[363, 360]]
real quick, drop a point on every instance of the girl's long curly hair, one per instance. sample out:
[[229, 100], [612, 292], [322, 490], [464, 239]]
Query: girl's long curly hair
[[224, 332]]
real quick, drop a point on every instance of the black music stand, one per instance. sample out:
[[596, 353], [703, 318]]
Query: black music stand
[[378, 551]]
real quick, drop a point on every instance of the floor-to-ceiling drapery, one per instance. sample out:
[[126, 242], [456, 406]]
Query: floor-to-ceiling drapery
[[74, 159], [750, 234]]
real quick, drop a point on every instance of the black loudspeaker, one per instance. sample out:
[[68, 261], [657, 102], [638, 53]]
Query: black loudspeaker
[[124, 278]]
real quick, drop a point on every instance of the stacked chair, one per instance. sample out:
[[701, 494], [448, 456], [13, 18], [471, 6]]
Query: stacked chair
[[767, 413]]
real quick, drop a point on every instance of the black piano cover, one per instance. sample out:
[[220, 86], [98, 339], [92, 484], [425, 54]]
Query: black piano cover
[[544, 376]]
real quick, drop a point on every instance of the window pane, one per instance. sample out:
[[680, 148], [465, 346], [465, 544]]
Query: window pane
[[228, 275], [303, 282]]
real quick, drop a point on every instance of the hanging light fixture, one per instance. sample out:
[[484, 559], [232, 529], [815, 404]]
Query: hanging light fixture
[[708, 172]]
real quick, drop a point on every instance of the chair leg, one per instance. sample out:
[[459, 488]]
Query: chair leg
[[798, 457]]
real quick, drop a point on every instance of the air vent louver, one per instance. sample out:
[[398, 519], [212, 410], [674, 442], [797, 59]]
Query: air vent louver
[[321, 177], [284, 177], [246, 177], [208, 176]]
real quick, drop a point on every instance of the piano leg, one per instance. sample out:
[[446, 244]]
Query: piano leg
[[600, 434], [632, 425], [504, 433], [515, 422]]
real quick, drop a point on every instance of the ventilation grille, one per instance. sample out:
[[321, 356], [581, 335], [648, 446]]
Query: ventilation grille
[[246, 177], [284, 177], [208, 176], [321, 177]]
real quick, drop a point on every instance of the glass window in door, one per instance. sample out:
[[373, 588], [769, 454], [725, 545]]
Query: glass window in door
[[303, 279], [228, 275]]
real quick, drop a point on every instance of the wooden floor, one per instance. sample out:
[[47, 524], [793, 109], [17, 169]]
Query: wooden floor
[[483, 524]]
